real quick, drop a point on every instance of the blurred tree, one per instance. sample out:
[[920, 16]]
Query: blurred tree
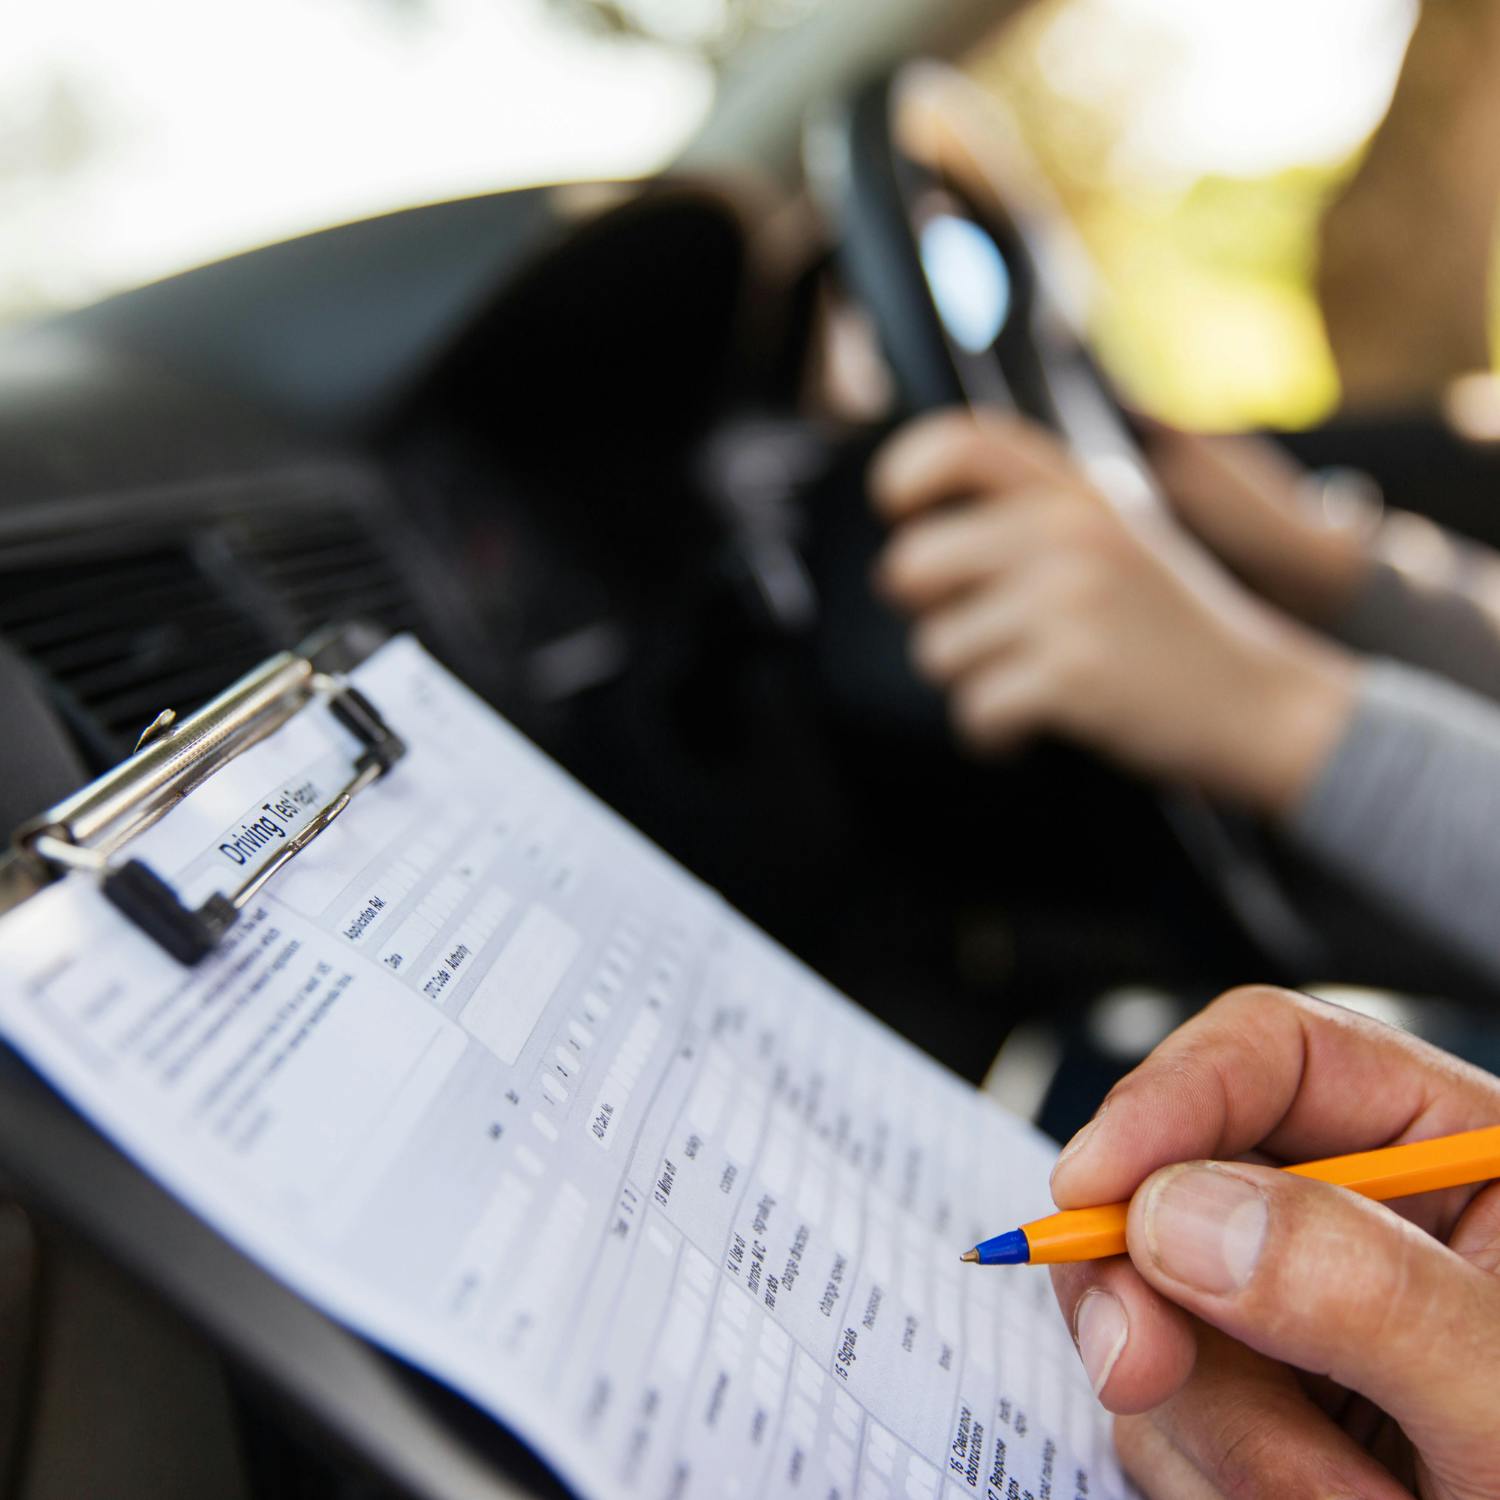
[[1407, 246]]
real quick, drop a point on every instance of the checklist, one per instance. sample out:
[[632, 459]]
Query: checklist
[[490, 1079]]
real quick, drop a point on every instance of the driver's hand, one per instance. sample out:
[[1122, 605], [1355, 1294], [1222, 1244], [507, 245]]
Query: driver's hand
[[1037, 608], [1269, 1335], [1247, 501]]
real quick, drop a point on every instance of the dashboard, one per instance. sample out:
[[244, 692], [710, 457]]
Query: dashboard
[[200, 471]]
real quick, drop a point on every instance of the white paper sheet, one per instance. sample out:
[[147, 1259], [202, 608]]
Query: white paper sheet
[[492, 1080]]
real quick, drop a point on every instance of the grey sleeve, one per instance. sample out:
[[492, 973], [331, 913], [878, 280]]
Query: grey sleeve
[[1441, 628], [1408, 806]]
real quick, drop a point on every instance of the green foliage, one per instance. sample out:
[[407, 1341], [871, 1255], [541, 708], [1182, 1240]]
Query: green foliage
[[1205, 308]]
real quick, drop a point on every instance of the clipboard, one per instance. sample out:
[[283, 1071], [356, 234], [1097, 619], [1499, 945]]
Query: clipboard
[[384, 1421], [87, 830], [461, 1137]]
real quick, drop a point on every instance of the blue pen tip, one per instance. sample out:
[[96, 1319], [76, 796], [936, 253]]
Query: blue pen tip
[[1009, 1249]]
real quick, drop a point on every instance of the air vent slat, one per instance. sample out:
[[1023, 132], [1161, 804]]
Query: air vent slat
[[167, 612], [302, 573], [128, 712], [46, 603], [149, 656], [336, 565], [378, 599], [103, 620]]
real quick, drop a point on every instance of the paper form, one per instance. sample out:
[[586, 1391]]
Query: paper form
[[492, 1080]]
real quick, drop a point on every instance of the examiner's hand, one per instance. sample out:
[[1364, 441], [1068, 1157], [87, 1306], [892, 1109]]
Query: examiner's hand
[[1038, 608], [1269, 1335]]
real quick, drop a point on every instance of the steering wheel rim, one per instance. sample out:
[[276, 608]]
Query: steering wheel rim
[[871, 187]]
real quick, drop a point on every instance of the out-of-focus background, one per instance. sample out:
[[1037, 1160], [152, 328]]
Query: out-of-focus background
[[1278, 195]]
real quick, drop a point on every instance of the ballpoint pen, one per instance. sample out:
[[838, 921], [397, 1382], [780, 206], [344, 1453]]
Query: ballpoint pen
[[1391, 1172]]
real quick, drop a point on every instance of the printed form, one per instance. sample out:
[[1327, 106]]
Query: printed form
[[489, 1078]]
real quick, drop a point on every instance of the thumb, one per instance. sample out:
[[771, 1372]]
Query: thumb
[[1332, 1283]]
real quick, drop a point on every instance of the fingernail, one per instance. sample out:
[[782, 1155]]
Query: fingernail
[[1205, 1227], [1080, 1140], [1100, 1330]]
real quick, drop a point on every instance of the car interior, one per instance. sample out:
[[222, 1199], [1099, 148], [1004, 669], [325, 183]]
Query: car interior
[[602, 447]]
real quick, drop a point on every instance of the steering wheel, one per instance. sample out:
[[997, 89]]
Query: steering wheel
[[947, 241]]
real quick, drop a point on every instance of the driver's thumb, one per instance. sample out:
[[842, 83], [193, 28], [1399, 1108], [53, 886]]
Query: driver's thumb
[[1331, 1283]]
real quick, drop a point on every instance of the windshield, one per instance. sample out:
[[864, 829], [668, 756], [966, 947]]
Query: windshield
[[138, 139]]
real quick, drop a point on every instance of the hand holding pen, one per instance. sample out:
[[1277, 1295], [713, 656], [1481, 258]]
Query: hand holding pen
[[1271, 1334]]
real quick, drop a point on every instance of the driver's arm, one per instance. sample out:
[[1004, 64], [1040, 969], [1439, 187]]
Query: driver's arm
[[1037, 609], [1404, 588]]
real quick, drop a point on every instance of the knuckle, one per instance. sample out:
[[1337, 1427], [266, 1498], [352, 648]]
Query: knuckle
[[981, 447], [1180, 1072], [1082, 526], [1001, 429], [1251, 1453], [1018, 435], [1248, 996], [1078, 660], [1238, 1014], [1064, 524], [1410, 1294], [1084, 586]]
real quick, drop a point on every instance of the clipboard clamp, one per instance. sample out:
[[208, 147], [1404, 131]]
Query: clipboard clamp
[[171, 758]]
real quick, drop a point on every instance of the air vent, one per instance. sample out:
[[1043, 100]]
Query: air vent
[[173, 598], [123, 636], [328, 566]]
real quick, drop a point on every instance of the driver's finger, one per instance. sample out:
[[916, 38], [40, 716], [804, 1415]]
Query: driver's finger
[[938, 556], [1320, 1278], [1244, 1424], [1301, 1077], [1002, 703], [949, 454], [956, 637]]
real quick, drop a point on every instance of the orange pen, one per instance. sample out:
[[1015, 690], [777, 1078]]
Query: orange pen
[[1392, 1172]]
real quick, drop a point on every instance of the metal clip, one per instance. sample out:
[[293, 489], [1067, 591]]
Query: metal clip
[[137, 892]]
